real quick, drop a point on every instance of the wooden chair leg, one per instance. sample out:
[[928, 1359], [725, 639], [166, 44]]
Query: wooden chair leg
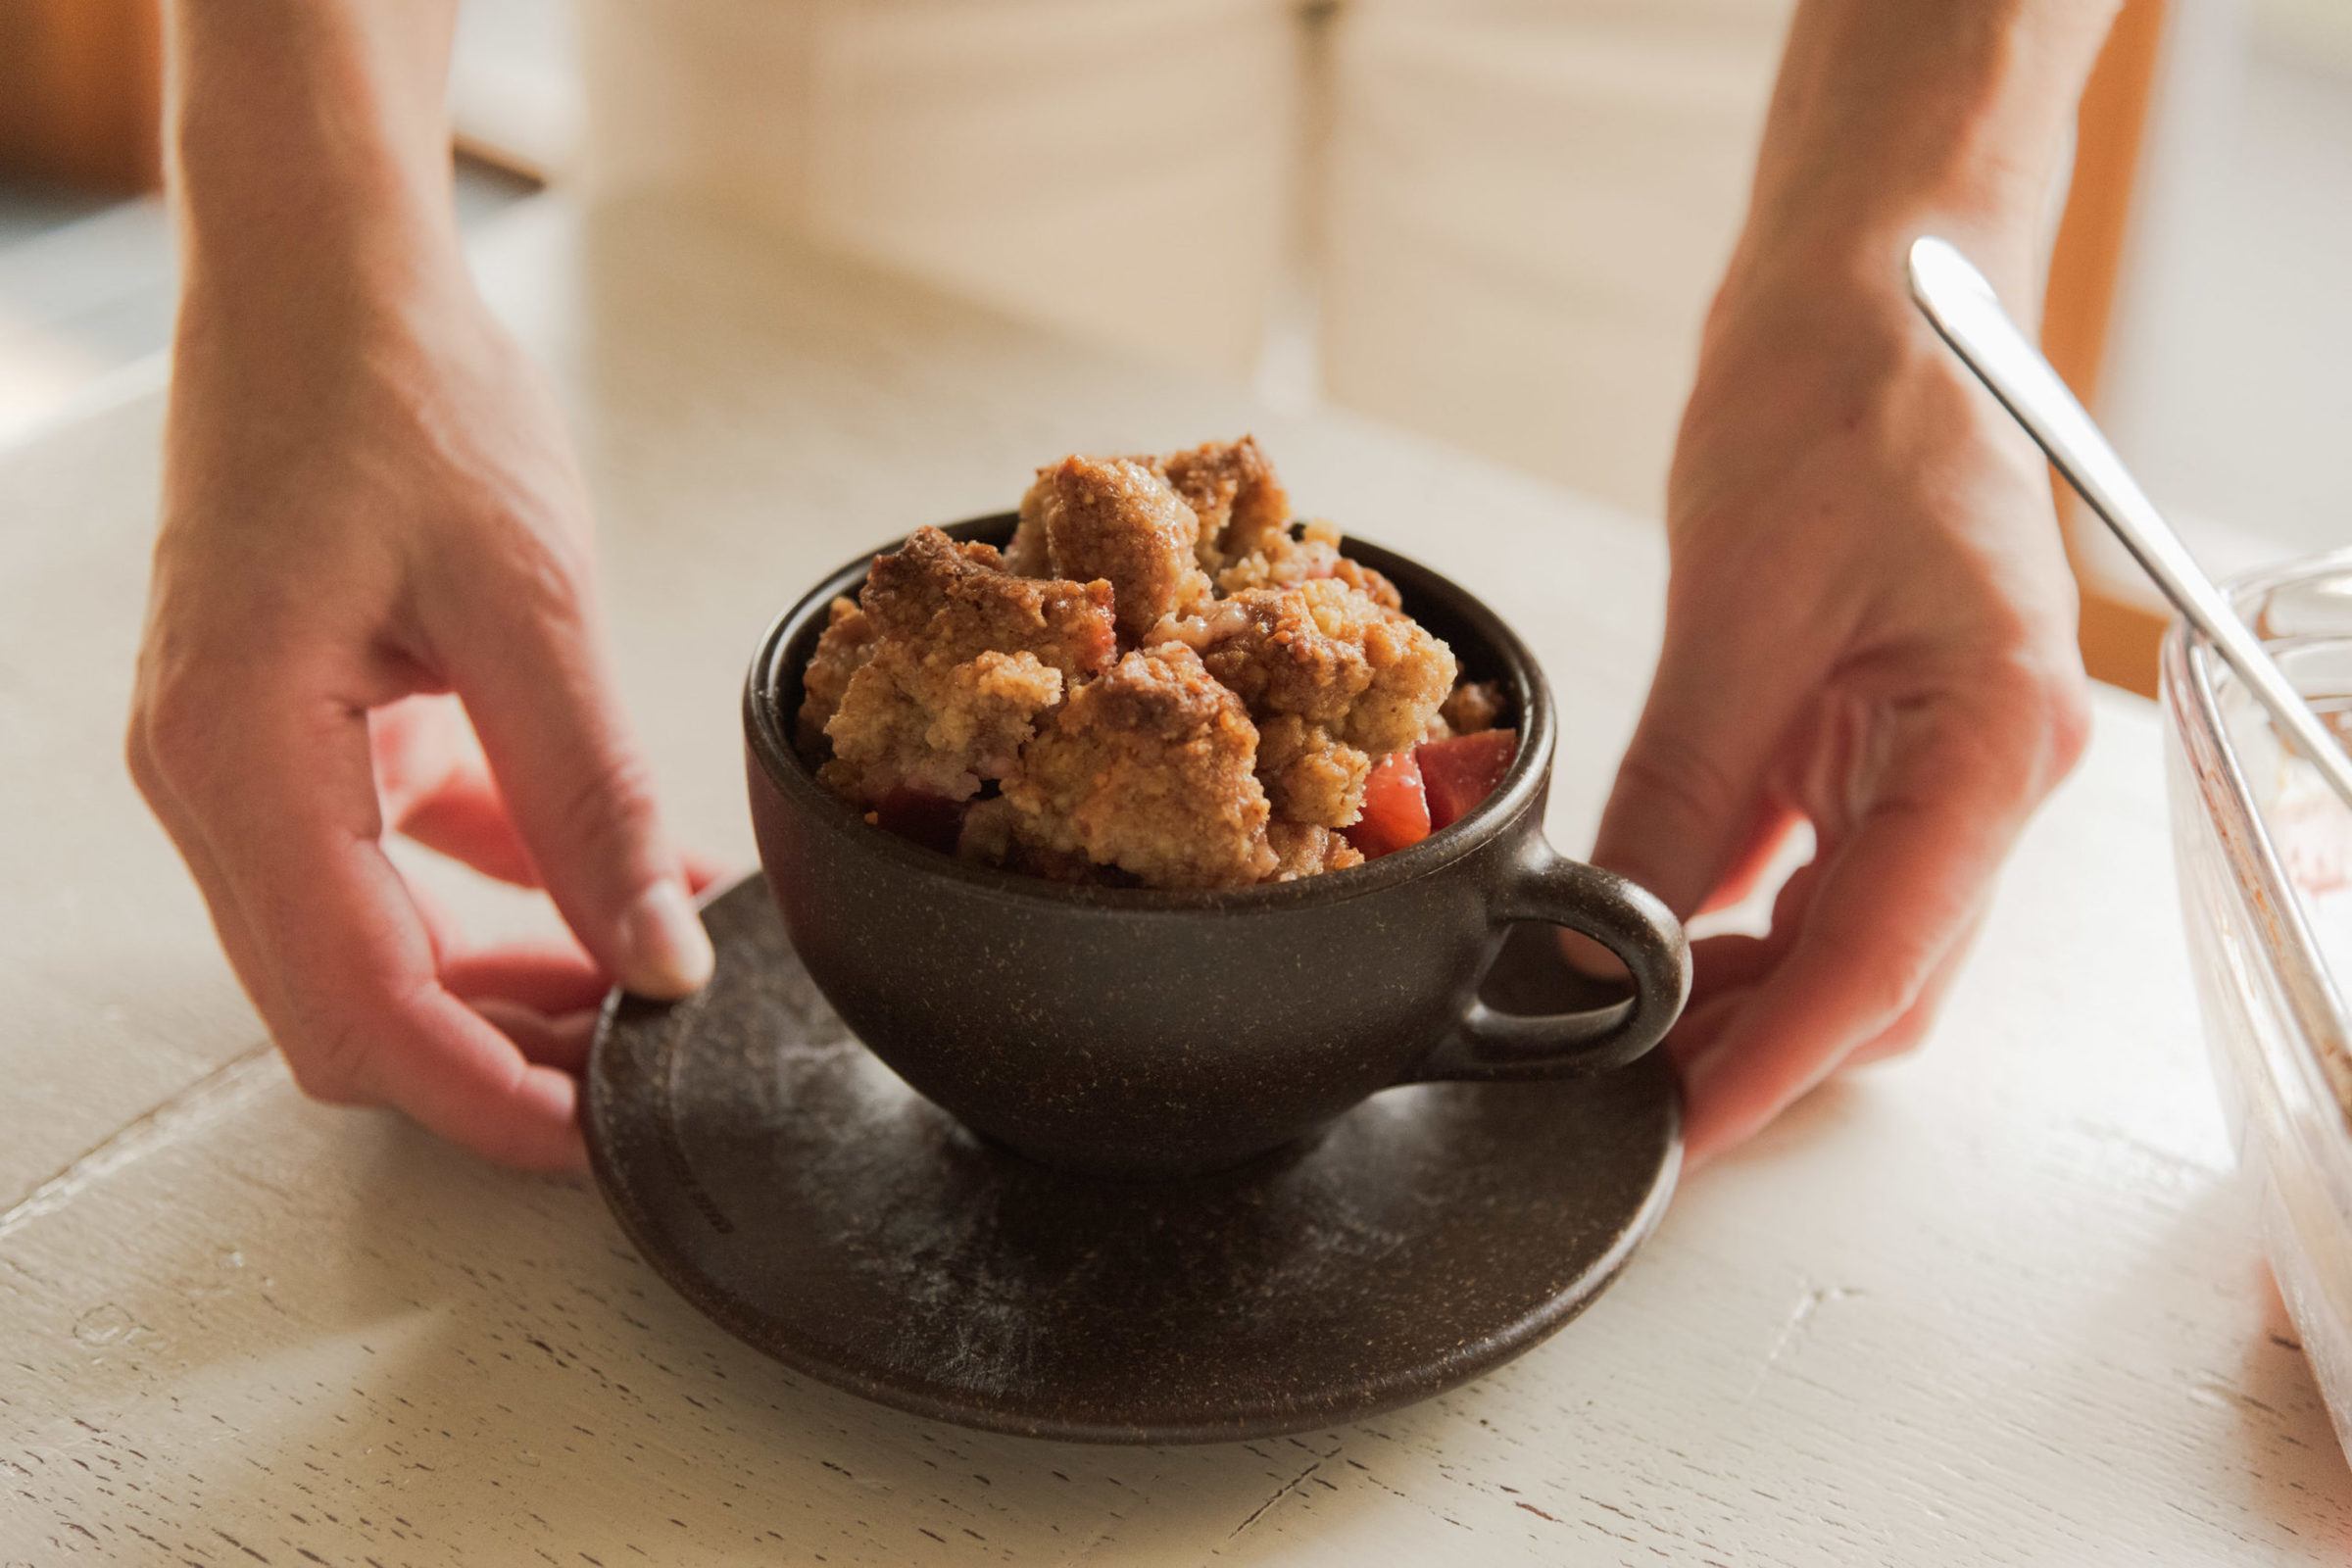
[[2119, 632], [82, 92]]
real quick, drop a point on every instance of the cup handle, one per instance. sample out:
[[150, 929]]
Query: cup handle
[[1544, 885]]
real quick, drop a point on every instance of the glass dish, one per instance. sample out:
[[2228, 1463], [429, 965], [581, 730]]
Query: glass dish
[[2262, 851]]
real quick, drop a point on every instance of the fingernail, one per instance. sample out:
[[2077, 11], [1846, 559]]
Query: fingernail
[[669, 954]]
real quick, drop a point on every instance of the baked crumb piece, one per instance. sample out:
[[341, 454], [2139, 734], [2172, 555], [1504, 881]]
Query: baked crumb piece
[[958, 602], [849, 640], [1304, 850], [950, 659], [1119, 521], [1283, 561], [1476, 707], [1329, 654], [927, 723], [1025, 551], [1151, 768], [992, 835], [1239, 506], [1310, 779], [1233, 490], [1334, 680], [1161, 682]]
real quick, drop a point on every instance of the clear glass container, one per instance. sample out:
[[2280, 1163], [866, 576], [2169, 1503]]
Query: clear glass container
[[2263, 854]]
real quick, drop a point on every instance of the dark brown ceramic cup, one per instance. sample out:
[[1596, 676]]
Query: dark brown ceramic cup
[[1149, 1032]]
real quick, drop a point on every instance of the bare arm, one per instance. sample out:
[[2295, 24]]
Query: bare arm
[[1869, 620], [369, 503], [1884, 117]]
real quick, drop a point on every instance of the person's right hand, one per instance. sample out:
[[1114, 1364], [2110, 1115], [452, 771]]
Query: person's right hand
[[364, 505], [1870, 629]]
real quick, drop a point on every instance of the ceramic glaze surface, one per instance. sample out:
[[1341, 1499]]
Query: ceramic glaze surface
[[1161, 1032], [789, 1185]]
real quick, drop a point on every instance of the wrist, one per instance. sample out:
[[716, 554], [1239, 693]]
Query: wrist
[[1848, 187], [309, 152], [1935, 116], [1854, 259], [267, 294]]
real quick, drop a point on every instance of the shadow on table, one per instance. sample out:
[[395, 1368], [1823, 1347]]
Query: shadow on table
[[2284, 1415], [656, 1413], [2265, 1390], [417, 1357]]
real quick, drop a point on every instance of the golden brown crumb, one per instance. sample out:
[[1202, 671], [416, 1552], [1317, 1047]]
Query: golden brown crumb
[[1475, 708], [992, 835], [1283, 561], [1326, 652], [920, 721], [954, 658], [1225, 748], [1302, 849], [1233, 490], [1025, 551], [1119, 521], [1149, 768], [1310, 779], [957, 601], [849, 640]]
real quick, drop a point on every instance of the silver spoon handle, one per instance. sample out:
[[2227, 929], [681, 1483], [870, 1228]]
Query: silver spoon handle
[[1969, 316]]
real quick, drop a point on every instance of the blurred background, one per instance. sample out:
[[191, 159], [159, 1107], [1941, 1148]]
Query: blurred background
[[1494, 221]]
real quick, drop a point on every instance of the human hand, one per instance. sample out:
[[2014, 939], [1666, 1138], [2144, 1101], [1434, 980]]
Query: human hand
[[1869, 628], [365, 507]]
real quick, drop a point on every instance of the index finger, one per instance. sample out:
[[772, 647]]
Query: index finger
[[284, 796], [1893, 900]]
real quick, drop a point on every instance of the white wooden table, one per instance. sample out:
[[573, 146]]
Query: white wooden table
[[1995, 1303]]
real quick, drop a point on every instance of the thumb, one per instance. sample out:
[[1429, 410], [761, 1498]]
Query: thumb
[[541, 697], [1686, 794]]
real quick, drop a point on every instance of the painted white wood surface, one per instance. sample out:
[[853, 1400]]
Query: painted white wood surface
[[1997, 1303]]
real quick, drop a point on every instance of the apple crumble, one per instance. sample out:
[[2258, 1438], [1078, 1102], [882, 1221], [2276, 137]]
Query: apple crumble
[[1161, 681]]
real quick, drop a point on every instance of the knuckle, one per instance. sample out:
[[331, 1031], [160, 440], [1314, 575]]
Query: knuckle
[[2017, 723], [323, 1079], [174, 733], [508, 572], [1899, 1038], [2050, 696], [1886, 990], [139, 759], [2068, 720], [329, 1066], [603, 808], [1891, 963], [547, 571], [1669, 776]]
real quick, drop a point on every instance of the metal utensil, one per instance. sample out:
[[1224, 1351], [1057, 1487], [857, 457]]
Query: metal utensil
[[1967, 314]]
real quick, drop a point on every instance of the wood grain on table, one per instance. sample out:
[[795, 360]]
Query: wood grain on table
[[2000, 1302]]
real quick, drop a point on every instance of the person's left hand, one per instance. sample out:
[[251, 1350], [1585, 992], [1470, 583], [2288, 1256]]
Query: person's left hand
[[1870, 627]]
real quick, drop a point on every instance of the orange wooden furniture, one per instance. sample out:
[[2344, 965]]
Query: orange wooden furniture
[[2119, 633], [82, 86]]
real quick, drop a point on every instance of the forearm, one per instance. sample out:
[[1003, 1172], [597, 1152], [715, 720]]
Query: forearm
[[310, 150], [1888, 115]]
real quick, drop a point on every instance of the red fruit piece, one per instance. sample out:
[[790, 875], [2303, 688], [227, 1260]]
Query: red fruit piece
[[1395, 811], [1458, 773], [932, 820]]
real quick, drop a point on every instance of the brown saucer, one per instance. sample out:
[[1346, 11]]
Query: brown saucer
[[795, 1190]]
